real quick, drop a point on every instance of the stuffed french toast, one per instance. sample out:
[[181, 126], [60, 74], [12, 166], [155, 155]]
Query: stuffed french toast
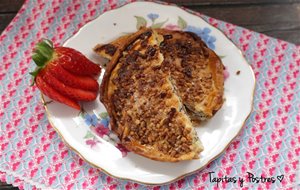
[[196, 70], [146, 112]]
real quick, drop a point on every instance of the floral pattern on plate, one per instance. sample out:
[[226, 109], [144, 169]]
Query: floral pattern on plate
[[204, 33], [100, 130]]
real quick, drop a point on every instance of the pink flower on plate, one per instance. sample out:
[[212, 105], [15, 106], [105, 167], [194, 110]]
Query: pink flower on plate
[[123, 150], [172, 27], [100, 130], [92, 142]]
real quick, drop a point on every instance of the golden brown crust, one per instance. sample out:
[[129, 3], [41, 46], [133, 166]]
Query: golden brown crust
[[113, 62], [145, 111], [196, 70], [204, 68]]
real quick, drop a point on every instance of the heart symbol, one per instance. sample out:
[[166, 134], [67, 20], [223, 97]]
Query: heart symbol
[[280, 178]]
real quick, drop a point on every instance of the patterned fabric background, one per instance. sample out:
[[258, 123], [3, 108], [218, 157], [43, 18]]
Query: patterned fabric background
[[33, 156]]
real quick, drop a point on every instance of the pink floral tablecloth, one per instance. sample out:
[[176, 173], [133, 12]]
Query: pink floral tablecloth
[[33, 156]]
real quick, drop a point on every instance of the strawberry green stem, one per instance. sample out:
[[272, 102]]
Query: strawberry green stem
[[42, 53]]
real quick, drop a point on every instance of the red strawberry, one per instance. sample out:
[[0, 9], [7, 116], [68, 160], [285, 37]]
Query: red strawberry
[[73, 93], [64, 74], [53, 94], [83, 82], [75, 62]]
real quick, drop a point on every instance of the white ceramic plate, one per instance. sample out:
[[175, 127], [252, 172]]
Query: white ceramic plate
[[88, 133]]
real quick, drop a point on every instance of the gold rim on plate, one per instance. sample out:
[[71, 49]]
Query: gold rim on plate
[[186, 174]]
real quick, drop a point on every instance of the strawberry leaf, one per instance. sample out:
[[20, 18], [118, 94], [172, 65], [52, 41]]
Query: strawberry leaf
[[34, 74], [39, 59]]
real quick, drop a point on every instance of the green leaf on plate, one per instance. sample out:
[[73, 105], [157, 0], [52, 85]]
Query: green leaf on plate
[[222, 56], [140, 22], [181, 23], [88, 135], [159, 24], [103, 115]]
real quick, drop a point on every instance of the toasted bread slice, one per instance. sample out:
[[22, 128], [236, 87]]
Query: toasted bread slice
[[196, 70], [146, 112]]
